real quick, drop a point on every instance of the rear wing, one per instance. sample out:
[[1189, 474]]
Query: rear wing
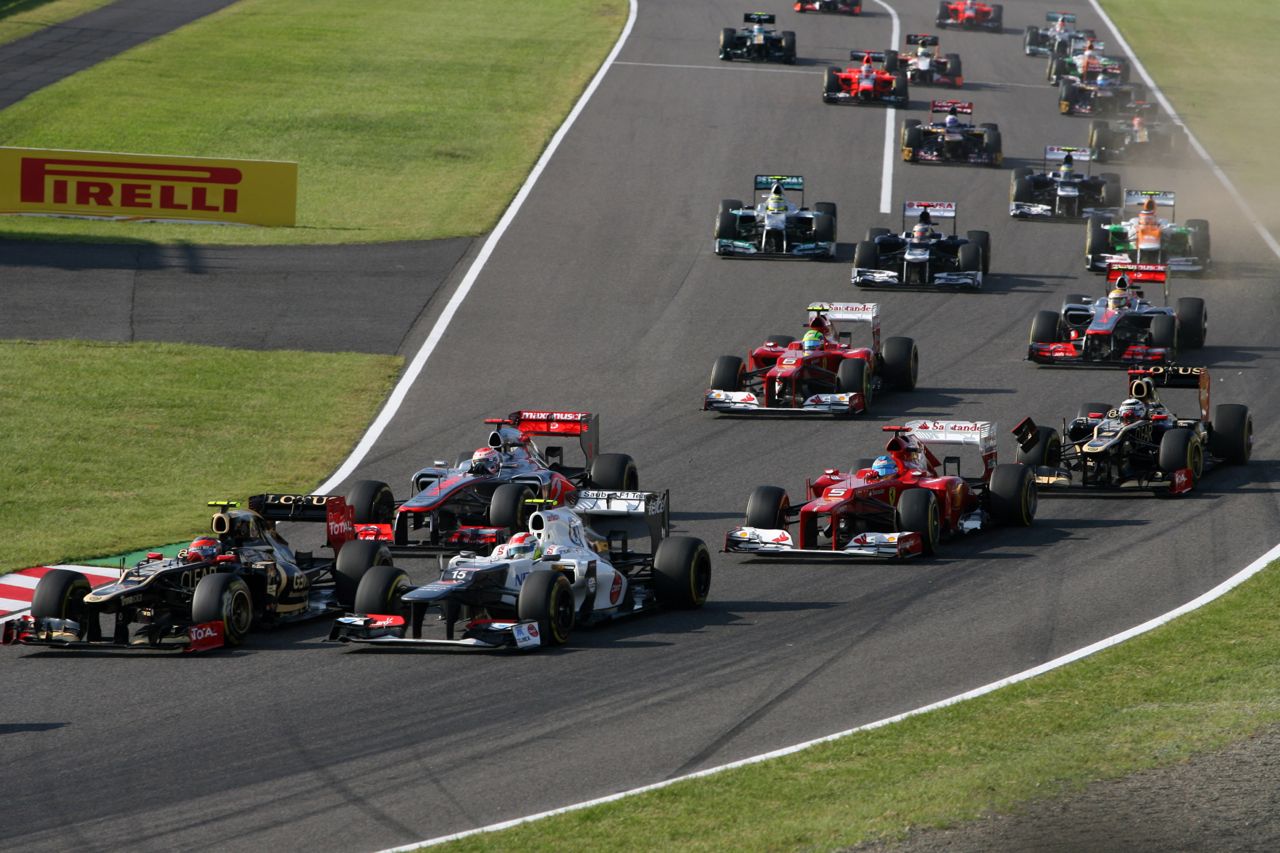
[[1163, 198], [1058, 153], [653, 507], [979, 434], [937, 209], [1156, 273], [873, 55], [1065, 17], [759, 18], [789, 182], [963, 108], [849, 312], [585, 425], [1141, 379], [922, 40], [331, 510]]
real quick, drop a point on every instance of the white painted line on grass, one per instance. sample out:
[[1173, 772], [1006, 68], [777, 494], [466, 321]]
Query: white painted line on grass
[[890, 150], [414, 370], [1164, 102]]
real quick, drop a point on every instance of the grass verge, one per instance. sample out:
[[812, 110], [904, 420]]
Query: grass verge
[[410, 119], [113, 447], [20, 18], [1192, 685]]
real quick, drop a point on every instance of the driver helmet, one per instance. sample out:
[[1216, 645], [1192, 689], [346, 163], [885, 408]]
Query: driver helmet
[[867, 69], [485, 461], [524, 545], [1118, 299], [1088, 54], [920, 233], [812, 340], [776, 204], [1132, 410], [758, 29], [1138, 123], [821, 324], [921, 50], [203, 548], [1060, 26], [1068, 166], [952, 119], [1146, 218], [884, 467]]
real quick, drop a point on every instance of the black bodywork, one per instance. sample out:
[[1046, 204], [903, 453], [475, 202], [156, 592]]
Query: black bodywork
[[757, 44]]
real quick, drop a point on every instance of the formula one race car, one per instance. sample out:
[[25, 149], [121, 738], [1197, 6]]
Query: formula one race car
[[1139, 444], [926, 66], [1084, 62], [1104, 95], [1055, 39], [757, 44], [1063, 193], [899, 505], [539, 585], [1147, 238], [243, 575], [775, 227], [951, 140], [866, 84], [921, 256], [1122, 327], [837, 7], [970, 14], [821, 374], [1118, 139]]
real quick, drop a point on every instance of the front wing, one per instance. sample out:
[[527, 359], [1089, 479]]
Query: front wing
[[1177, 483], [749, 249], [778, 543], [1034, 210], [1099, 262], [749, 403], [66, 634], [1067, 353], [867, 277], [388, 631]]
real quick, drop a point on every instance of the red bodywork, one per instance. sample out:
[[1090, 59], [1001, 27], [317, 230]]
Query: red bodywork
[[969, 15], [867, 87], [788, 367], [838, 7]]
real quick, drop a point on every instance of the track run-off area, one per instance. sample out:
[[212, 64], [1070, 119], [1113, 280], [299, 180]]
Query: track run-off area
[[603, 295]]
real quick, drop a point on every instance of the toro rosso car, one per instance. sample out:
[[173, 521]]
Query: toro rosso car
[[951, 140], [1061, 191], [835, 7], [1147, 238], [921, 256], [1119, 139], [899, 505], [927, 66], [243, 575], [970, 15], [1122, 327], [866, 84], [757, 44], [1055, 39], [1139, 444], [776, 227], [821, 374], [534, 589]]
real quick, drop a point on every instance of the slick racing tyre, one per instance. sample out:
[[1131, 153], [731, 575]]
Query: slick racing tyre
[[547, 598], [60, 595], [1180, 448], [615, 472], [969, 258], [380, 591], [371, 502], [1046, 451], [1012, 495], [983, 239], [854, 377], [788, 47], [912, 139], [1099, 141], [726, 373], [891, 62], [1045, 328], [682, 572], [1097, 241], [767, 508], [954, 70], [1020, 185], [866, 255], [1198, 239], [355, 558], [901, 88], [824, 228], [508, 508], [1164, 332], [830, 84], [1112, 191], [1193, 321], [727, 221], [1232, 436], [224, 597], [727, 36], [901, 362], [918, 513]]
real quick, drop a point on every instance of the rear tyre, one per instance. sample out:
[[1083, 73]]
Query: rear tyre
[[778, 341], [917, 512], [380, 591], [853, 377], [901, 363], [994, 146], [901, 88], [1179, 448], [1164, 332], [891, 61], [507, 507], [954, 70], [1030, 40], [354, 560], [547, 599], [60, 595], [1089, 410], [726, 373], [615, 472], [767, 508], [983, 239], [1046, 327], [371, 502], [682, 572], [1012, 494], [1193, 321], [827, 207], [1199, 239], [824, 228], [1099, 137], [1073, 299], [1232, 436], [224, 597], [1046, 451]]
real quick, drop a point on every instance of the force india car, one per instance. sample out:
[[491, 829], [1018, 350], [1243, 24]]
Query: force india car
[[1139, 444], [1085, 62], [856, 514], [866, 84], [951, 141], [835, 378], [1063, 192], [1147, 238], [1055, 39], [934, 259], [970, 15], [757, 44], [835, 7], [1117, 139], [776, 227], [208, 596], [1097, 332], [925, 66], [533, 590]]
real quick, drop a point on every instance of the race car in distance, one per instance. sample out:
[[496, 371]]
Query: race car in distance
[[866, 84], [1122, 327], [1118, 139], [1085, 62], [244, 575], [1055, 39], [836, 7], [774, 226], [926, 67], [1147, 238], [1063, 192], [536, 587], [1139, 444], [821, 374], [1104, 95], [951, 140], [921, 256], [970, 14], [898, 505], [757, 44]]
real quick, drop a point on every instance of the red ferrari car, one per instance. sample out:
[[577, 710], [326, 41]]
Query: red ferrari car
[[970, 15], [821, 374], [836, 7], [897, 505], [865, 83]]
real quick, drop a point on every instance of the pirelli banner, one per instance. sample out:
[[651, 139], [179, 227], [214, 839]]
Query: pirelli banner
[[140, 186]]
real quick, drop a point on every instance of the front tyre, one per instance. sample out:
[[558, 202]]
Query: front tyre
[[917, 512], [380, 591], [1012, 494], [547, 599], [60, 595], [1179, 449], [682, 572], [225, 598], [355, 559], [767, 508]]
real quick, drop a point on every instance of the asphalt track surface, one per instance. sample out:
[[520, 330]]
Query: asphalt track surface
[[604, 296]]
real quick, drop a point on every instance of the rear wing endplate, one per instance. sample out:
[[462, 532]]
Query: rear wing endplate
[[331, 510]]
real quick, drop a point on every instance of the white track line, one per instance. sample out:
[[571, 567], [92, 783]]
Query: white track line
[[890, 150], [416, 366], [1266, 235]]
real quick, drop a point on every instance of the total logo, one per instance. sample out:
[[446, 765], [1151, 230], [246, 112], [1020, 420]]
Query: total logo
[[203, 632]]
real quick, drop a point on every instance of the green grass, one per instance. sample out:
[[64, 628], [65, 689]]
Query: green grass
[[410, 119], [113, 447], [19, 18], [1196, 684]]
